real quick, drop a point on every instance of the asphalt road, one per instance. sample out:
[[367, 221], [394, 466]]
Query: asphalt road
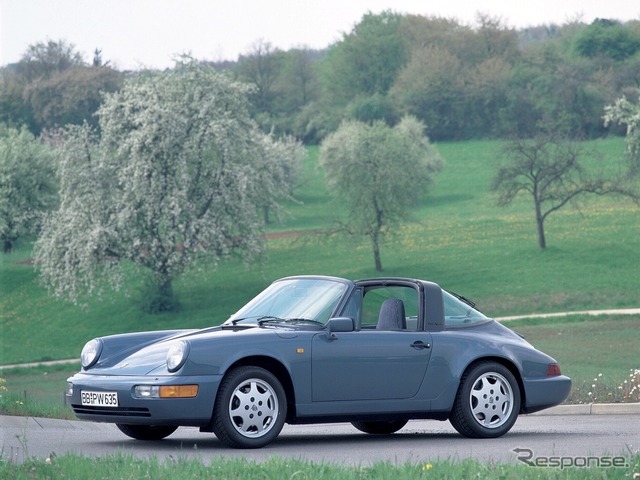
[[534, 438]]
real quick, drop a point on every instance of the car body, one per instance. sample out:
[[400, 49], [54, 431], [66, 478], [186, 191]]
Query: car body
[[312, 349]]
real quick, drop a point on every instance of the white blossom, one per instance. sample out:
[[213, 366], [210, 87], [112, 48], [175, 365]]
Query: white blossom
[[379, 172], [177, 178], [27, 186]]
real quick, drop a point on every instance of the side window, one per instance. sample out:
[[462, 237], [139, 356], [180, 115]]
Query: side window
[[374, 297]]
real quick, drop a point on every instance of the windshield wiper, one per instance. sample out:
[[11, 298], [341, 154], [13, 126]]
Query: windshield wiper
[[236, 321], [259, 319], [290, 321], [304, 320], [269, 319]]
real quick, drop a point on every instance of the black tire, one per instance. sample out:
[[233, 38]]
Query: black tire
[[487, 403], [146, 432], [380, 427], [250, 408]]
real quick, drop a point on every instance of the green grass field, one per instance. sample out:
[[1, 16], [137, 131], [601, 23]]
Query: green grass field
[[599, 353], [458, 237]]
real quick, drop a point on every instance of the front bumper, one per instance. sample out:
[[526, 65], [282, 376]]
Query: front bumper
[[196, 411]]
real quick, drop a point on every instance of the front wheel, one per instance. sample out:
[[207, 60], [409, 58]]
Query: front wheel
[[146, 432], [250, 408], [380, 427], [487, 403]]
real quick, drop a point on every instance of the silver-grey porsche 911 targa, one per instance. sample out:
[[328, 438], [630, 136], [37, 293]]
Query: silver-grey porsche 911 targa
[[311, 349]]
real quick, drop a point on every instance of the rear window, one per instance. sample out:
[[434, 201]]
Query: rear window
[[460, 314]]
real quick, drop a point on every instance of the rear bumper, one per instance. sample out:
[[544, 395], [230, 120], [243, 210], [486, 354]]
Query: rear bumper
[[545, 392], [195, 411]]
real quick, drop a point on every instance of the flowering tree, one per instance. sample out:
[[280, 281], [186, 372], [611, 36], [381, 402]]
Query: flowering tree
[[178, 178], [27, 189], [625, 112], [379, 172]]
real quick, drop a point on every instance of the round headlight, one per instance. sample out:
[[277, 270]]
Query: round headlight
[[91, 353], [177, 355]]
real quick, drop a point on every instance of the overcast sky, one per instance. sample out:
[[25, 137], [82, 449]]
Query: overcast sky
[[149, 33]]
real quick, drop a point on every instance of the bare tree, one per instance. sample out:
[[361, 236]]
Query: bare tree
[[42, 60], [551, 169], [261, 68]]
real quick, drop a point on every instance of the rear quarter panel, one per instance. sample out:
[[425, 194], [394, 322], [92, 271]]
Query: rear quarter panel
[[455, 350]]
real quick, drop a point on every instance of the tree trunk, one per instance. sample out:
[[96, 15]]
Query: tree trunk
[[265, 214], [375, 241], [375, 237], [163, 299], [165, 287], [542, 243], [376, 255]]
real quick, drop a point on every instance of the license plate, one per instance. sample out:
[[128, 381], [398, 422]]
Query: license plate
[[99, 399]]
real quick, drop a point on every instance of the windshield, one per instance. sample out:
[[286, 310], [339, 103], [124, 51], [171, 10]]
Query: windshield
[[312, 299], [459, 313]]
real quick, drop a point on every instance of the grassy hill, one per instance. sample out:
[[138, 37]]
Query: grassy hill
[[458, 238]]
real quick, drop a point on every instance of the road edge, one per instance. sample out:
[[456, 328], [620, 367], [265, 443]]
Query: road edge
[[593, 409]]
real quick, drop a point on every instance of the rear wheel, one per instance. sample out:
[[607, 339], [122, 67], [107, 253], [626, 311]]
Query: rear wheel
[[146, 432], [380, 427], [487, 403], [250, 408]]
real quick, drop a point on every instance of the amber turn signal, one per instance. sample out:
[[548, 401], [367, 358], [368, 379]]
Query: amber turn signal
[[178, 391]]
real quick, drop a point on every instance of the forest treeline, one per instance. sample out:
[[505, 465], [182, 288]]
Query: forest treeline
[[486, 80]]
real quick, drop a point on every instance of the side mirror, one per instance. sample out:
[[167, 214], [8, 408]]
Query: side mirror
[[339, 324]]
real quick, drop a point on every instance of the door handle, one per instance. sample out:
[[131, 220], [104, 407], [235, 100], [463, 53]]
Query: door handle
[[420, 345]]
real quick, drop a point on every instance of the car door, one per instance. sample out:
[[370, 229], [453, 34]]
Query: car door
[[372, 364]]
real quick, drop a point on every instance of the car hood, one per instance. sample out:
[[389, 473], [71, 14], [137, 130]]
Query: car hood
[[149, 357]]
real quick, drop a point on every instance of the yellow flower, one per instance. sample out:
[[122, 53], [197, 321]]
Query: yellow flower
[[427, 467]]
